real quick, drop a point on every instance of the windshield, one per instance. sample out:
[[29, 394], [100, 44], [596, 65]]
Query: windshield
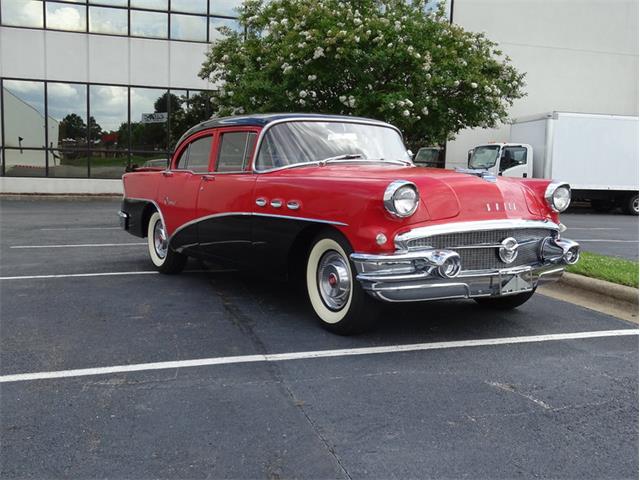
[[298, 142], [484, 157]]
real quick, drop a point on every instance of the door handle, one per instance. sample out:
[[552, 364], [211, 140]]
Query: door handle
[[208, 178]]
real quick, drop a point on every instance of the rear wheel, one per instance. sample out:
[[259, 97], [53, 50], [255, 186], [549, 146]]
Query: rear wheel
[[631, 205], [162, 257], [337, 299], [505, 303]]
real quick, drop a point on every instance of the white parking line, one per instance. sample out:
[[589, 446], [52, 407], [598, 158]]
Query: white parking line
[[80, 228], [605, 240], [279, 357], [81, 245], [106, 274]]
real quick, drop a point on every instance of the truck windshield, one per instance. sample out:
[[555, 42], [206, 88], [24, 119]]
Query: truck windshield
[[427, 156], [300, 142], [484, 157]]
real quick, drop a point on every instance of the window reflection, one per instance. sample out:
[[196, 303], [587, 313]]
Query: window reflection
[[108, 106], [188, 27], [227, 8], [115, 3], [63, 16], [149, 115], [150, 4], [22, 13], [108, 20], [24, 163], [189, 6], [149, 24], [216, 23], [23, 114]]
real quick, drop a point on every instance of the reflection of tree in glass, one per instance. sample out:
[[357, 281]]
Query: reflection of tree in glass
[[193, 111], [73, 129]]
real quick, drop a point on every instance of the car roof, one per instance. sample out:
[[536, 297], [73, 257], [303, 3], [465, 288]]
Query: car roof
[[263, 119]]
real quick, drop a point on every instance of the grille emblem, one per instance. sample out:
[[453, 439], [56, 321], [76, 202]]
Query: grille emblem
[[508, 250]]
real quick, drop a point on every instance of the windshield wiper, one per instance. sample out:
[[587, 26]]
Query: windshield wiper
[[346, 156]]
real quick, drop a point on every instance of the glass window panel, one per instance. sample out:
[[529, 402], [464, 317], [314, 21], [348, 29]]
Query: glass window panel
[[189, 6], [108, 164], [177, 116], [150, 4], [22, 13], [109, 123], [23, 113], [188, 27], [62, 16], [227, 8], [149, 159], [234, 151], [215, 23], [115, 3], [108, 20], [199, 154], [24, 163], [68, 163], [67, 111], [149, 24], [149, 117]]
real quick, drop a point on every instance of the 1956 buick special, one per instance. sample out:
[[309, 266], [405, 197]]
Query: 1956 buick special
[[337, 201]]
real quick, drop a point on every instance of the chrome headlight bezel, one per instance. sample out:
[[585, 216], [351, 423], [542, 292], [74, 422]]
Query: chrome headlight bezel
[[393, 190], [549, 195]]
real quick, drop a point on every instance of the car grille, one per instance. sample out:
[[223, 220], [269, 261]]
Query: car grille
[[487, 258]]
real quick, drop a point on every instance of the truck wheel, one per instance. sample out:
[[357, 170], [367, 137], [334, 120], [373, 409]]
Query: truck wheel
[[505, 303], [162, 257], [602, 206], [337, 299], [631, 205]]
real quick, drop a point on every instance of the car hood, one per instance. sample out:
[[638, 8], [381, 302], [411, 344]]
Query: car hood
[[444, 193]]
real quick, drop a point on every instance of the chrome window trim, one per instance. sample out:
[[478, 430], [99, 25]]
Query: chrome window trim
[[401, 240], [266, 128]]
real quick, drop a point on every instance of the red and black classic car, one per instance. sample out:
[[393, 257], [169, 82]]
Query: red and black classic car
[[337, 201]]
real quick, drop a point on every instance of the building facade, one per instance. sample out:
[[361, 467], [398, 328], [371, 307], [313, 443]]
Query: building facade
[[91, 88], [578, 56]]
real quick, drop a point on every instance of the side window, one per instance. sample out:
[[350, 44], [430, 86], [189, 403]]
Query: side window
[[512, 157], [235, 149], [196, 156]]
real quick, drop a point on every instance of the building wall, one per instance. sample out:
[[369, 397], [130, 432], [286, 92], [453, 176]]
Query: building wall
[[69, 56], [578, 56]]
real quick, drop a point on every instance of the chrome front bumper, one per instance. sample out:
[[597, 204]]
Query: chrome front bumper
[[422, 274]]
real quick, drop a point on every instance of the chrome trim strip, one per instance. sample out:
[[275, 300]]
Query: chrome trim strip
[[150, 201], [304, 219], [266, 128], [206, 217], [402, 239]]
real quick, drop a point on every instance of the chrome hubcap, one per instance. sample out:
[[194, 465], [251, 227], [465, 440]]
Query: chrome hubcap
[[334, 280], [160, 239], [635, 204]]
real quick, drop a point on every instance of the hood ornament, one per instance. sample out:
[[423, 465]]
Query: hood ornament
[[484, 174]]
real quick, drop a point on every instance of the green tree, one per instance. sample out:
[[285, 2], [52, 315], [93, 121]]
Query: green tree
[[72, 126], [386, 59]]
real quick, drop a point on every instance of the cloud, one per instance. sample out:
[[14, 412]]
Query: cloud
[[22, 13], [66, 17]]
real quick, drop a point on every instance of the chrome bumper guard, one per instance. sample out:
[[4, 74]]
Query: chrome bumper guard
[[124, 220], [432, 274]]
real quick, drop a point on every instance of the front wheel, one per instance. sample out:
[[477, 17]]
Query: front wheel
[[162, 257], [338, 300], [505, 303]]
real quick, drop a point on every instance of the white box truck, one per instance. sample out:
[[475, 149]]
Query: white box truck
[[596, 154]]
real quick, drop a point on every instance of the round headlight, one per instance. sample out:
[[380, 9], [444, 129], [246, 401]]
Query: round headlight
[[401, 198], [558, 196]]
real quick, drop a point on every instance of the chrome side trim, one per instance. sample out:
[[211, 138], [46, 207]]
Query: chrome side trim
[[150, 201], [306, 119], [402, 239], [254, 214]]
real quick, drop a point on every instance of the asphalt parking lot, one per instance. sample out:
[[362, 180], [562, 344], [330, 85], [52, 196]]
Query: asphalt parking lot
[[609, 234], [549, 390]]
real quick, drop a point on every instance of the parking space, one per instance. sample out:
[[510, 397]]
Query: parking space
[[457, 391]]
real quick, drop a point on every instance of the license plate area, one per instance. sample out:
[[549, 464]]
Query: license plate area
[[512, 282]]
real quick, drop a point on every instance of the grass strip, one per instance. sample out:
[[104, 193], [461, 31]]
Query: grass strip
[[603, 267]]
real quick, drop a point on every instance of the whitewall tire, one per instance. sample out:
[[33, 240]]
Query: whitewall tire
[[161, 255], [333, 290]]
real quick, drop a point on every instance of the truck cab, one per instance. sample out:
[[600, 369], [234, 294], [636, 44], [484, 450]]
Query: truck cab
[[505, 159]]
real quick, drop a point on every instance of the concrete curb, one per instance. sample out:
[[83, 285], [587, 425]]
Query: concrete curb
[[601, 287]]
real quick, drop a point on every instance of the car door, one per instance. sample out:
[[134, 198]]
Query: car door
[[514, 161], [225, 198], [179, 187]]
